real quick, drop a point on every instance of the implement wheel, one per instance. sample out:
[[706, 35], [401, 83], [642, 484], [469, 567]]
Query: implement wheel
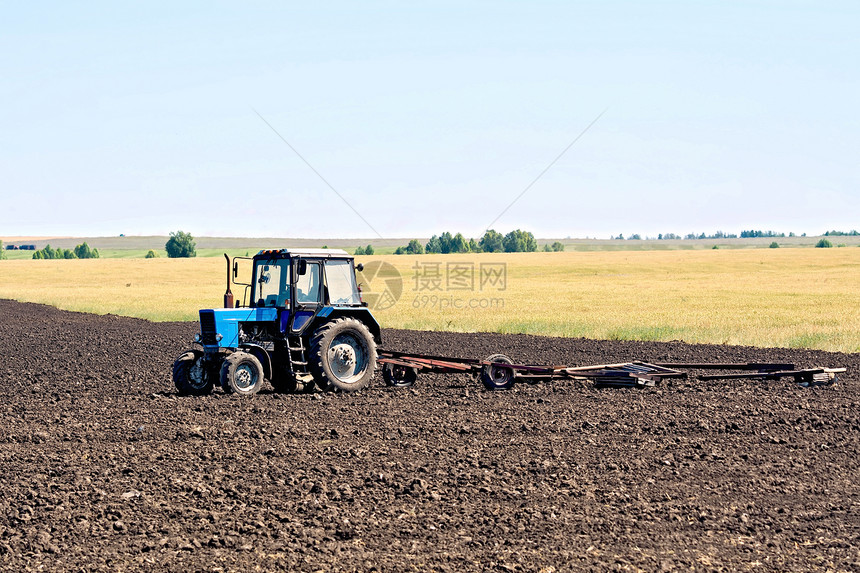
[[399, 376], [497, 377], [343, 355], [190, 375], [242, 374]]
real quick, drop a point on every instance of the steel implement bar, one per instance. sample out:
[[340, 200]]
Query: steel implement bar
[[759, 366], [774, 375]]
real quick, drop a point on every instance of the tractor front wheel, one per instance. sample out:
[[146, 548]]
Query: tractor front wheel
[[241, 374], [190, 375], [343, 355]]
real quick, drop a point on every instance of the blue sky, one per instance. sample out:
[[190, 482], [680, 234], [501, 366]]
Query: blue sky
[[428, 116]]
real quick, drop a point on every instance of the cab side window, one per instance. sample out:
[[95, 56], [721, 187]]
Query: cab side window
[[308, 285]]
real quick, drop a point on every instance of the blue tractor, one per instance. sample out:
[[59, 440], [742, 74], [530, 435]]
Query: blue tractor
[[304, 327]]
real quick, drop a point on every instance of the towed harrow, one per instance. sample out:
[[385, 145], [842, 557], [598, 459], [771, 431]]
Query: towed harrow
[[498, 372]]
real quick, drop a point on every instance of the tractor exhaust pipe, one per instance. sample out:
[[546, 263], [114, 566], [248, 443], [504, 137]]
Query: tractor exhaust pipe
[[228, 296]]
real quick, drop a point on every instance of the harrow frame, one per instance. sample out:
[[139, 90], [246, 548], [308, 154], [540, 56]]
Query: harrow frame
[[498, 372]]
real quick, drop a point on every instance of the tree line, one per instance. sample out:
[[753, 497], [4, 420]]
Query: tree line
[[82, 251], [517, 241], [718, 235]]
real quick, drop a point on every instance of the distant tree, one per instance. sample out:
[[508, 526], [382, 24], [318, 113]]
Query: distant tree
[[368, 250], [434, 245], [519, 242], [774, 245], [446, 242], [529, 241], [458, 244], [715, 247], [325, 246], [400, 251], [547, 248], [823, 244], [558, 246], [2, 251], [414, 248], [492, 242], [359, 251], [151, 254], [180, 245], [83, 251], [635, 237]]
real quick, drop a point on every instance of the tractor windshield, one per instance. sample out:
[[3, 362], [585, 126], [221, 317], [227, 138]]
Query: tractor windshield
[[340, 280], [272, 282]]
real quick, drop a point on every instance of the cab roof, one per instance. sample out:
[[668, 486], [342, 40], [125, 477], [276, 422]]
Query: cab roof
[[319, 253]]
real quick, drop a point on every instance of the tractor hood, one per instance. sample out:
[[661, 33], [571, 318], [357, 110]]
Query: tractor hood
[[220, 326]]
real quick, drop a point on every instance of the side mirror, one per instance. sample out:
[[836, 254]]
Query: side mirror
[[302, 267], [235, 270], [359, 267]]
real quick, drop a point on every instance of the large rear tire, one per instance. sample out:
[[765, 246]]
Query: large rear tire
[[242, 374], [190, 375], [343, 355]]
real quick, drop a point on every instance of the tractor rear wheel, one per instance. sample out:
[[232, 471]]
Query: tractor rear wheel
[[242, 374], [497, 377], [343, 355], [190, 375]]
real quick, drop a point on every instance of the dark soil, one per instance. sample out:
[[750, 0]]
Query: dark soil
[[104, 467]]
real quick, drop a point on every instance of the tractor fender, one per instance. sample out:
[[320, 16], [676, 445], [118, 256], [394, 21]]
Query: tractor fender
[[328, 314], [260, 353]]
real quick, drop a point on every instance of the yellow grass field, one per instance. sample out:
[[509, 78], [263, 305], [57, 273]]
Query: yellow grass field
[[799, 298]]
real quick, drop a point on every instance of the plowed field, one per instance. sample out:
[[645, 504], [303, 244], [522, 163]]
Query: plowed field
[[104, 467]]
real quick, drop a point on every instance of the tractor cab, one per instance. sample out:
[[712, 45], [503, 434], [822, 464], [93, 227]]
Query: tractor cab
[[288, 279], [303, 284]]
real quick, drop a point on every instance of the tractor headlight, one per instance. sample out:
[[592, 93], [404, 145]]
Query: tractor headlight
[[197, 337], [218, 337]]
